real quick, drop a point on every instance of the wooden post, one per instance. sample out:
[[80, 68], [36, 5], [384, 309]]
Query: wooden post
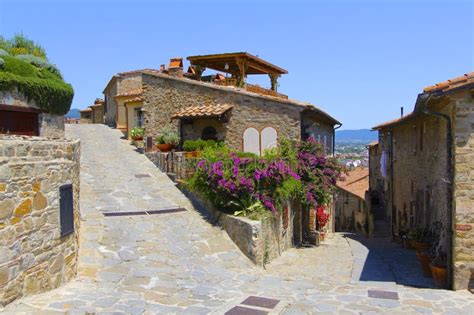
[[242, 64], [274, 80]]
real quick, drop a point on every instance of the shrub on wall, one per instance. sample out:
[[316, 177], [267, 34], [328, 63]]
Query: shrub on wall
[[36, 79], [298, 170]]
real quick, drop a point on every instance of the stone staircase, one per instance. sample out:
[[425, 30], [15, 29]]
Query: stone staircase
[[381, 228]]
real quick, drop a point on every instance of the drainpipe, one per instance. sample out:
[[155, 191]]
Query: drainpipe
[[450, 184], [393, 215], [334, 138]]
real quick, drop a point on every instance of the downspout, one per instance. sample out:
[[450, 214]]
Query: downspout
[[450, 186], [393, 215], [334, 138]]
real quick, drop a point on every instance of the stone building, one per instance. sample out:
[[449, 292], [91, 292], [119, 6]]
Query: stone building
[[86, 116], [351, 211], [94, 114], [39, 190], [18, 115], [246, 117], [97, 111], [422, 173]]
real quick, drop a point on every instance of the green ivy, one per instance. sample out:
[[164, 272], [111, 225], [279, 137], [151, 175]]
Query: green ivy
[[47, 89]]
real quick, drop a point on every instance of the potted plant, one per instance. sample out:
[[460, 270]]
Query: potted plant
[[424, 258], [191, 147], [322, 219], [418, 239], [168, 139], [137, 133], [439, 270]]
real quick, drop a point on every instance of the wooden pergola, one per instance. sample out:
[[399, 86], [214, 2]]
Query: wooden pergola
[[239, 65]]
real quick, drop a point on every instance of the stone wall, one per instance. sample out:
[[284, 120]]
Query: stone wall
[[352, 213], [464, 192], [118, 85], [418, 197], [50, 126], [97, 114], [33, 256], [164, 96], [420, 176], [261, 241], [110, 104], [323, 132]]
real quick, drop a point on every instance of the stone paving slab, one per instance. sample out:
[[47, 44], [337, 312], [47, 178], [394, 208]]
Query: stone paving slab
[[178, 263]]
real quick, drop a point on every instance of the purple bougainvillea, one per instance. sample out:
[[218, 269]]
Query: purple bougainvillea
[[232, 179]]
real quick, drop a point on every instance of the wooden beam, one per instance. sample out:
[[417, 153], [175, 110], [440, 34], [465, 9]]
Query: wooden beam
[[19, 109]]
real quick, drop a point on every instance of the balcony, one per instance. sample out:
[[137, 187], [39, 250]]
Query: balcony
[[250, 87]]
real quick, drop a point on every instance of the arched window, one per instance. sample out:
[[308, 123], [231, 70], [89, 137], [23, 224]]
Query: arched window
[[251, 141], [268, 138], [209, 133]]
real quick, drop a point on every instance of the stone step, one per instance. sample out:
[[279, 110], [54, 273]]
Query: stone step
[[381, 228]]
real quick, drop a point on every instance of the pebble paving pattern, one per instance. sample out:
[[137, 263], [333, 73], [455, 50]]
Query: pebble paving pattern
[[179, 263]]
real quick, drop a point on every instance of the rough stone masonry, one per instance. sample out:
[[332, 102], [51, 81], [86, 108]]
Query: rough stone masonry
[[33, 255]]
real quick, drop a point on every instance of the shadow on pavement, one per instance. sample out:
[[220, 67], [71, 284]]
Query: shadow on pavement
[[380, 260]]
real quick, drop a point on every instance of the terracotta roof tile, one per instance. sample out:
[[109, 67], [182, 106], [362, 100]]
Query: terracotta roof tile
[[395, 121], [451, 83], [134, 99], [138, 71], [203, 111], [356, 182], [134, 92]]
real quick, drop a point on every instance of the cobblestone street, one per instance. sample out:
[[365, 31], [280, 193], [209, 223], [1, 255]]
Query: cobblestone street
[[180, 263]]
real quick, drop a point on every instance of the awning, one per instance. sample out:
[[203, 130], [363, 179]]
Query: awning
[[206, 111]]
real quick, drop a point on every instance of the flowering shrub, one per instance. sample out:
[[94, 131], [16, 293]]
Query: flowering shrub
[[240, 183], [322, 217]]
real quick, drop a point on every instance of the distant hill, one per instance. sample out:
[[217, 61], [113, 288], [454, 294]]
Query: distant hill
[[73, 113], [360, 135]]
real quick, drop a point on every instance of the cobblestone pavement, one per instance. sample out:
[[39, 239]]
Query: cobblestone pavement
[[180, 263]]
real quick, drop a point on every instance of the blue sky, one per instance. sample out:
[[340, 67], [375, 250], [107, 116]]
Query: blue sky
[[358, 60]]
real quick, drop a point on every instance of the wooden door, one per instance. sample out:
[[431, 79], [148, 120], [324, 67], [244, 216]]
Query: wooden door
[[19, 122]]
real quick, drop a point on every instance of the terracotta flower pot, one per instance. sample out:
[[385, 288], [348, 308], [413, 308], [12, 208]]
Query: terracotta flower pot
[[424, 260], [191, 154], [323, 236], [164, 147], [420, 246], [439, 275]]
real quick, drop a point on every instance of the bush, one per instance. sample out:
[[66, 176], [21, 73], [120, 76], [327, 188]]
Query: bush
[[199, 145], [19, 45], [137, 132], [240, 182], [2, 63], [48, 90], [169, 135], [41, 63]]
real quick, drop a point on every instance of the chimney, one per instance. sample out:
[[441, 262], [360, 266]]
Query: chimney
[[176, 67], [401, 111], [162, 68]]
